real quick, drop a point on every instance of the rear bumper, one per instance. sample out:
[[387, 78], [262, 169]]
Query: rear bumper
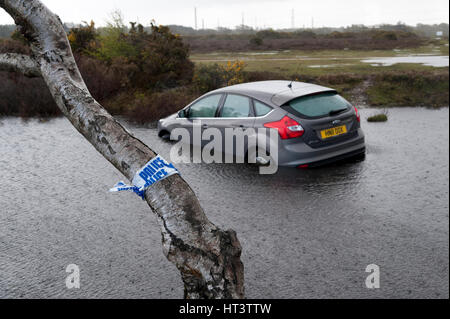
[[338, 158], [298, 154]]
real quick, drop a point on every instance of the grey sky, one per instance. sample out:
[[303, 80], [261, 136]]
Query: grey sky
[[269, 13]]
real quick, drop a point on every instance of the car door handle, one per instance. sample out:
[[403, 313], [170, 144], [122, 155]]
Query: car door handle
[[205, 126]]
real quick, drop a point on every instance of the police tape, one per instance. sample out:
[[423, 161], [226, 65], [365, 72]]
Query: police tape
[[154, 171]]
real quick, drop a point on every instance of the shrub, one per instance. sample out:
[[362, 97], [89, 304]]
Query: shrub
[[112, 40], [164, 59], [210, 77], [30, 97], [19, 37], [103, 82], [339, 79], [306, 40], [154, 60], [83, 39], [256, 41], [271, 34], [378, 118], [21, 96], [234, 72], [427, 88], [341, 35], [256, 76], [306, 34], [148, 108], [385, 35], [13, 46]]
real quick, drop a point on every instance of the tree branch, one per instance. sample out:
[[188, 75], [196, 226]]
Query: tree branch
[[207, 257], [12, 62]]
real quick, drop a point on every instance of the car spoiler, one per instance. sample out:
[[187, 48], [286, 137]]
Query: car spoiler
[[297, 91]]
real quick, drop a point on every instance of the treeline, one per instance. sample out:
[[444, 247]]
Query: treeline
[[6, 31], [422, 30], [425, 30], [355, 37], [307, 40]]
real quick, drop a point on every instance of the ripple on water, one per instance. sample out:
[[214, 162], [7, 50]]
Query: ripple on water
[[312, 232]]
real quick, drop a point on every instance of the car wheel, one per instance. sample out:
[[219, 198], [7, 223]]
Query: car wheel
[[164, 135], [261, 158]]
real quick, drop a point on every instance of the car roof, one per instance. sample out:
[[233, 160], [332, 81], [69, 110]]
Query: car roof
[[275, 93]]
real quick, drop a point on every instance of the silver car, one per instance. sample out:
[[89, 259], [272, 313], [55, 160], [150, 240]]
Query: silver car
[[316, 125]]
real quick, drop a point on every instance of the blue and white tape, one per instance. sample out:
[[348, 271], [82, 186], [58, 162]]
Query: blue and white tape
[[121, 186], [154, 171]]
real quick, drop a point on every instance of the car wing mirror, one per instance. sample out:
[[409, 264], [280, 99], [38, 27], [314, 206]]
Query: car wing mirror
[[183, 114]]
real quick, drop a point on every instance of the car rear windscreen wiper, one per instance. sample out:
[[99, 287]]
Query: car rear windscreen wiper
[[336, 112]]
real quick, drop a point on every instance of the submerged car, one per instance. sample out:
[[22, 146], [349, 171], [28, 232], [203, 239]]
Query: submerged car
[[316, 125]]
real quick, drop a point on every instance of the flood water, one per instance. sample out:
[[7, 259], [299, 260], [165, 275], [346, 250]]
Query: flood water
[[305, 233], [437, 61]]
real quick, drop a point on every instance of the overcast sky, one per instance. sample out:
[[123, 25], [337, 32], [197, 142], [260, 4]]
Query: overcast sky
[[260, 13]]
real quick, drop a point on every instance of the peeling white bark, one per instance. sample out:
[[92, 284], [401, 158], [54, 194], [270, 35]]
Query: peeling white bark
[[207, 257], [24, 64]]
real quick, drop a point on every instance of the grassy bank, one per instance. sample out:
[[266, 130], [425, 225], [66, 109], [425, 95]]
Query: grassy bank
[[320, 62], [402, 84], [411, 88]]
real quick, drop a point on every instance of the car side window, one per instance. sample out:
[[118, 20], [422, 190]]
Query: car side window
[[261, 109], [236, 106], [206, 107]]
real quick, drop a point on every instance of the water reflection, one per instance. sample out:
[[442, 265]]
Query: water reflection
[[435, 61], [305, 233], [334, 178]]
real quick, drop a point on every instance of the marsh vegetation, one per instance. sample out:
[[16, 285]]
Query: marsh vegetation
[[145, 73]]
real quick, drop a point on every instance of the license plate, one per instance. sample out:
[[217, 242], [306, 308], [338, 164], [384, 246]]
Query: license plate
[[335, 131]]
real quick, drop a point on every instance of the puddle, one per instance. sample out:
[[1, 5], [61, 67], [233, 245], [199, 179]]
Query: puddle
[[261, 53], [435, 61], [329, 65]]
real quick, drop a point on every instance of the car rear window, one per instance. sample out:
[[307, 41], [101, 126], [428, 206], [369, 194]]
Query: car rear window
[[318, 105], [261, 109]]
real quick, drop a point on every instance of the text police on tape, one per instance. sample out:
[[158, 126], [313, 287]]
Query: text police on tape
[[154, 171]]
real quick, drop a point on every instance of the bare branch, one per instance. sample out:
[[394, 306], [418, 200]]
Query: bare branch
[[207, 257], [12, 62]]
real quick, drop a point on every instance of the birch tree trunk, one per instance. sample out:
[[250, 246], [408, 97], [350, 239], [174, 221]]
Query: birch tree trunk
[[207, 257]]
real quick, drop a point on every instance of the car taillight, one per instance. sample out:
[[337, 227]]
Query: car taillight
[[358, 116], [287, 128]]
